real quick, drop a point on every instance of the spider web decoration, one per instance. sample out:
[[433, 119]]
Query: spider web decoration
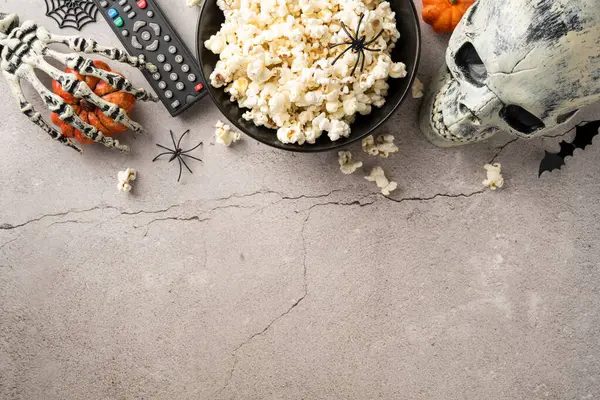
[[71, 13]]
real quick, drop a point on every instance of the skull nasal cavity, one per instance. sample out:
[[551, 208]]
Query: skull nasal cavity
[[469, 62], [520, 119]]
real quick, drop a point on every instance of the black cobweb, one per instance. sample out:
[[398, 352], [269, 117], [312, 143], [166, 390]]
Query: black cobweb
[[71, 13]]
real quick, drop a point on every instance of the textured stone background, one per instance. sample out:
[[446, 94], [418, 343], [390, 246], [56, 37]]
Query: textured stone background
[[270, 275]]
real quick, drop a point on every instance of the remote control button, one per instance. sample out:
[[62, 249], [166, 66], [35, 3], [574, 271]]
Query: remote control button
[[156, 76], [112, 13], [191, 98], [174, 76], [125, 33], [142, 4], [146, 35], [122, 2], [185, 68], [119, 22], [172, 49], [135, 43], [168, 67], [180, 86], [191, 77], [156, 28], [167, 38], [153, 46], [131, 15], [175, 104], [199, 87], [178, 59], [138, 25], [162, 85], [168, 94], [161, 58], [104, 3], [127, 8], [150, 14]]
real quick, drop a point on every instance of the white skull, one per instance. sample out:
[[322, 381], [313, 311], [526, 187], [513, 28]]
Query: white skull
[[521, 66]]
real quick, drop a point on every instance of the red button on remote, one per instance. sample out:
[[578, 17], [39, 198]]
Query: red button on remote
[[142, 4], [199, 87]]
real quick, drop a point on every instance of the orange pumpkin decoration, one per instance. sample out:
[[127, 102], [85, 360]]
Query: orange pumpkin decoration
[[89, 113], [444, 15]]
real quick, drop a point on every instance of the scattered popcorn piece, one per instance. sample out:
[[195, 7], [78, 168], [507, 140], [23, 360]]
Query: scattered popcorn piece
[[378, 176], [494, 176], [224, 135], [385, 145], [369, 147], [193, 3], [125, 179], [346, 165], [417, 89]]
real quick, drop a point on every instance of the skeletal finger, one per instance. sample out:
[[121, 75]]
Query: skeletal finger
[[67, 114], [35, 117], [91, 46], [86, 67]]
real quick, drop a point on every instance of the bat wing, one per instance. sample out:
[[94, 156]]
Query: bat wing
[[584, 135], [550, 162]]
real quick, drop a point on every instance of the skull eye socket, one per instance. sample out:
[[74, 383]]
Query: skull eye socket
[[520, 119], [469, 62]]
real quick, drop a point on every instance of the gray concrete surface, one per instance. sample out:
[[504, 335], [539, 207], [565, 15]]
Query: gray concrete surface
[[269, 275]]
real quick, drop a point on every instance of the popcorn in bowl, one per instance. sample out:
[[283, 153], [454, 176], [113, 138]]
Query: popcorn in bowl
[[291, 63]]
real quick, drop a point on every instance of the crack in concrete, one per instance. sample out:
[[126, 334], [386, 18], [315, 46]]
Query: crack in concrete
[[286, 312], [7, 243], [304, 196], [435, 196], [260, 333], [150, 212], [502, 148], [244, 195], [358, 202], [574, 127], [70, 221], [7, 226], [192, 218]]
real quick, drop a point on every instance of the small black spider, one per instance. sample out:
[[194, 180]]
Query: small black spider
[[178, 154], [356, 44]]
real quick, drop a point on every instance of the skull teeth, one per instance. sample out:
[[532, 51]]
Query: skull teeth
[[437, 118]]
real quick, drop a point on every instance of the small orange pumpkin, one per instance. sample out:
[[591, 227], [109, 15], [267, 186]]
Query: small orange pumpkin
[[444, 15], [89, 113]]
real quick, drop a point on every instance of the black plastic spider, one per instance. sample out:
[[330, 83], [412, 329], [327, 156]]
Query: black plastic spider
[[357, 45], [178, 154]]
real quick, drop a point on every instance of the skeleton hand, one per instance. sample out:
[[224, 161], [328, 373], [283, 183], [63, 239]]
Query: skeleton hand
[[22, 50]]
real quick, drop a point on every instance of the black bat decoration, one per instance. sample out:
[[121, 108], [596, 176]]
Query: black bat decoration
[[584, 134]]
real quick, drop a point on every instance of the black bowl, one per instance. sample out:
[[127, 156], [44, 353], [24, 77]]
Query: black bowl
[[407, 50]]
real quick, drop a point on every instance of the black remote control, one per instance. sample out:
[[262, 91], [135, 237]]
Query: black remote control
[[145, 32]]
